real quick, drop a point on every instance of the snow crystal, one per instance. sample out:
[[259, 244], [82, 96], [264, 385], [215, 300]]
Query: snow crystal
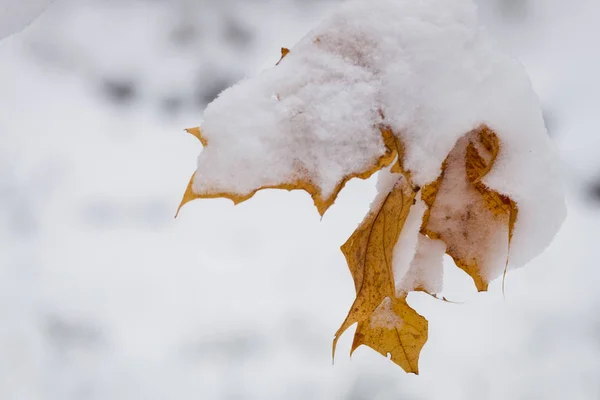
[[424, 68], [15, 15]]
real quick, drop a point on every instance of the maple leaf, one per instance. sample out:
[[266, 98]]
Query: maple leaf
[[318, 119], [461, 211], [386, 323], [464, 213], [303, 183]]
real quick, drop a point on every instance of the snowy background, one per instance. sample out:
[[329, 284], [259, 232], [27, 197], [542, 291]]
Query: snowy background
[[103, 295]]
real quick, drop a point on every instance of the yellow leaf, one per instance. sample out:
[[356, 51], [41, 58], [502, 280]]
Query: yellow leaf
[[394, 330], [385, 323], [428, 194], [460, 210], [463, 211], [321, 202]]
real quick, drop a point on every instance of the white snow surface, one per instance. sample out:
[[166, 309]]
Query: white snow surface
[[406, 248], [15, 15], [106, 297], [426, 268], [427, 68]]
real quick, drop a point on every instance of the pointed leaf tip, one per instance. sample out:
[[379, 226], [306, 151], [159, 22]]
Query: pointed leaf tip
[[188, 196], [197, 133]]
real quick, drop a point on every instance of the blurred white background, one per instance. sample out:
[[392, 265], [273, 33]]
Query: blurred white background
[[104, 296]]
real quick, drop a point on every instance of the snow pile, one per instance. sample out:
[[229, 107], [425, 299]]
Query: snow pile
[[427, 70], [15, 15]]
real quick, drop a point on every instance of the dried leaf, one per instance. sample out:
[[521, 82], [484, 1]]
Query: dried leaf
[[322, 203], [197, 133], [428, 194], [385, 323], [460, 210], [394, 330], [466, 213]]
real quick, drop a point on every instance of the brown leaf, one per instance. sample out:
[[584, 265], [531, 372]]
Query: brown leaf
[[197, 133], [428, 194], [385, 323], [464, 212], [460, 210], [394, 330], [321, 202]]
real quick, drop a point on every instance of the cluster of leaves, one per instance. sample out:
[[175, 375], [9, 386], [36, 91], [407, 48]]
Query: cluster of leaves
[[465, 216]]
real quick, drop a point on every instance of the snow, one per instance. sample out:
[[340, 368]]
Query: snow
[[424, 68], [264, 141], [15, 15], [426, 268], [406, 247], [106, 297]]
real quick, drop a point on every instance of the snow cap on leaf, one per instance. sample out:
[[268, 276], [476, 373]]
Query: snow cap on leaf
[[416, 89]]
